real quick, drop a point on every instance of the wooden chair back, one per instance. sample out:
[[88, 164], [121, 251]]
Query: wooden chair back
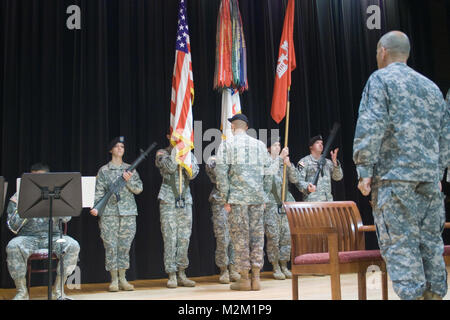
[[343, 216]]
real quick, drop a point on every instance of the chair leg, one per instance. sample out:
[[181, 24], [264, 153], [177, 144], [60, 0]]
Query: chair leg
[[29, 278], [362, 289], [294, 287], [384, 285], [335, 286]]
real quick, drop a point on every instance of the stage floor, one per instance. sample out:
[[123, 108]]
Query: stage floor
[[208, 288]]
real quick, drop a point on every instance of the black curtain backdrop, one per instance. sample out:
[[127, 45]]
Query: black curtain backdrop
[[65, 93]]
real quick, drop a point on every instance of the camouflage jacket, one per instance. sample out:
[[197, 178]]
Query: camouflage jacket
[[403, 127], [273, 183], [214, 196], [32, 226], [448, 108], [306, 170], [127, 204], [242, 162], [171, 178]]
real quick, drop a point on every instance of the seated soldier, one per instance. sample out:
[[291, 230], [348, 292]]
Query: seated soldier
[[32, 235]]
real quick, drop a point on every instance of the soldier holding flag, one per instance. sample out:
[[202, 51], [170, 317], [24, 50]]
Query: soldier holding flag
[[176, 215], [177, 164], [286, 64]]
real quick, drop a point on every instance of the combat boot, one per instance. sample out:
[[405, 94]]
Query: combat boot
[[184, 281], [234, 275], [172, 282], [243, 284], [224, 275], [57, 292], [285, 269], [428, 295], [114, 285], [277, 274], [22, 291], [256, 286], [123, 283]]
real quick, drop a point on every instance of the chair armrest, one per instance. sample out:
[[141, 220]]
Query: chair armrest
[[314, 230], [367, 228], [447, 225]]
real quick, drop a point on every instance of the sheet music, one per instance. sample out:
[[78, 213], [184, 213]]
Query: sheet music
[[87, 191]]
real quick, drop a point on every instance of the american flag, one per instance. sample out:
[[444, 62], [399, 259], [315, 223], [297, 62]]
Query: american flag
[[181, 119]]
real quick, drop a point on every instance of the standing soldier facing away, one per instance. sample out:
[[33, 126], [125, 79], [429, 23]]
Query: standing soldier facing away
[[242, 162], [401, 149], [118, 221]]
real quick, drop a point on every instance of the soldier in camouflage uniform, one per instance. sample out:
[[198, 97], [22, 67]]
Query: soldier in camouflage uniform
[[224, 248], [276, 225], [176, 219], [401, 150], [307, 168], [241, 165], [118, 221], [32, 236]]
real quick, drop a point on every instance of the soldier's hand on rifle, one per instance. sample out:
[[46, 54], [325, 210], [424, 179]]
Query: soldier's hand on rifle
[[284, 153], [127, 175], [227, 207], [334, 156], [364, 186], [94, 212], [311, 188]]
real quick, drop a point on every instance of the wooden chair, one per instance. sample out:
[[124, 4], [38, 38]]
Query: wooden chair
[[40, 255], [328, 238]]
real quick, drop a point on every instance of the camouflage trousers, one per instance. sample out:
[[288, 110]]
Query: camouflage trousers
[[20, 248], [117, 233], [410, 218], [224, 248], [276, 227], [176, 228], [247, 235]]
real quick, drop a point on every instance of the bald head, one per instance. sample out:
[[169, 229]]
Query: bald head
[[396, 43], [394, 46]]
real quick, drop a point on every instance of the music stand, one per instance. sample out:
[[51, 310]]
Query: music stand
[[44, 195], [3, 188]]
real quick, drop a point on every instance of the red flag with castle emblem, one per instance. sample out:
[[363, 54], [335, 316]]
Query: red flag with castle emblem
[[286, 64]]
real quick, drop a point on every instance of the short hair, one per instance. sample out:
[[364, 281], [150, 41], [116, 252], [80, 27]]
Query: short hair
[[240, 124], [396, 43], [40, 167]]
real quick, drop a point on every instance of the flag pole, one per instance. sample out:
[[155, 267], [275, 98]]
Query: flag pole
[[286, 139], [180, 174]]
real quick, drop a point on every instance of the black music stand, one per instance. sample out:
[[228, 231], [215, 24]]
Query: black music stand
[[3, 188], [45, 195]]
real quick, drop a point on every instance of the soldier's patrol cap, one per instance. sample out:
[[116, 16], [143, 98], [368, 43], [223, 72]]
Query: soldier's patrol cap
[[314, 139], [239, 116], [115, 141]]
